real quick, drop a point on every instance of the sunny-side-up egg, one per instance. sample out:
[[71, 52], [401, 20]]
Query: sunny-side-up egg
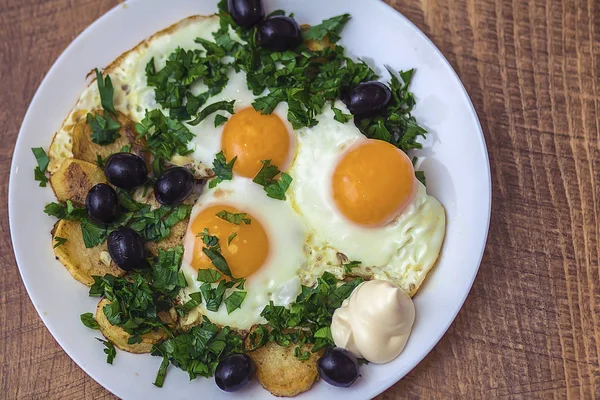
[[360, 201], [267, 252]]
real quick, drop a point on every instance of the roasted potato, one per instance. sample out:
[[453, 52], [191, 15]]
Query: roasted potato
[[86, 150], [74, 179], [82, 263], [280, 372], [119, 337]]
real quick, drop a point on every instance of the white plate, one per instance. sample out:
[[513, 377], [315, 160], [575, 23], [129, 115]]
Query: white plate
[[456, 165]]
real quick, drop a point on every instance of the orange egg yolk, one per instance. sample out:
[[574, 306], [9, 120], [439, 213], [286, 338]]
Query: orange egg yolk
[[373, 182], [252, 137], [245, 247]]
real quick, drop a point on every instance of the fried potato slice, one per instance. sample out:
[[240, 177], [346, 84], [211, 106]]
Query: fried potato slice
[[119, 337], [280, 372], [74, 179], [174, 239], [86, 150], [82, 263]]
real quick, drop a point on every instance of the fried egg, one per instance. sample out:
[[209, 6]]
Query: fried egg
[[267, 252], [360, 201]]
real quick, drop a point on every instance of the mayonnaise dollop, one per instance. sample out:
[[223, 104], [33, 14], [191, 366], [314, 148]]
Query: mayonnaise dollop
[[374, 322]]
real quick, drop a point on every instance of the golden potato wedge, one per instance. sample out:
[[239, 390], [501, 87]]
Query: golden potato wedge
[[119, 337], [82, 263], [74, 179], [86, 150], [175, 238], [280, 372]]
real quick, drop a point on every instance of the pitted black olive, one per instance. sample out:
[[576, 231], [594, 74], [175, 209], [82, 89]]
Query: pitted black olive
[[234, 372], [101, 203], [338, 367], [126, 170], [368, 98], [246, 13], [126, 248], [279, 33], [174, 186]]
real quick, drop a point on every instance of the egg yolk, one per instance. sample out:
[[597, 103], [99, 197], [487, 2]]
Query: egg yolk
[[252, 137], [245, 247], [373, 182]]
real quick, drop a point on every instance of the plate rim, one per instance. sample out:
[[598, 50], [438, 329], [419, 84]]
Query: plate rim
[[378, 3]]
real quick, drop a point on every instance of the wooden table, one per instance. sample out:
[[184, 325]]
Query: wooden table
[[530, 327]]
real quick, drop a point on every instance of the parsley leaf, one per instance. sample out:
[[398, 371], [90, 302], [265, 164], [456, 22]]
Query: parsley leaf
[[220, 120], [420, 175], [234, 218], [231, 237], [162, 373], [332, 27], [106, 90], [59, 241], [88, 320], [208, 275], [110, 350], [211, 108], [339, 116], [349, 266], [234, 301], [223, 170], [217, 259], [275, 188], [104, 129], [42, 160], [213, 296]]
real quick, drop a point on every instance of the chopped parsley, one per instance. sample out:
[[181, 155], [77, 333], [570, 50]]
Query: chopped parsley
[[212, 108], [165, 137], [198, 350], [59, 241], [332, 27], [39, 173], [309, 318], [275, 188], [104, 128], [110, 350], [234, 218], [208, 275], [213, 252], [231, 237], [223, 170], [88, 320], [234, 301], [220, 120], [349, 266]]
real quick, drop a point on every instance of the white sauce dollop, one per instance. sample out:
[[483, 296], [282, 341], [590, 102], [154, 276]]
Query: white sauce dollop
[[375, 322]]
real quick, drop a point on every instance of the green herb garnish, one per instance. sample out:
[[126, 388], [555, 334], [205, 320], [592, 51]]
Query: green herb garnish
[[234, 218], [223, 169], [332, 27], [88, 320], [275, 188], [110, 350], [39, 173]]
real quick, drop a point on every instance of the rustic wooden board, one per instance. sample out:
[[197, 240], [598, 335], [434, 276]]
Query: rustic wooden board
[[530, 327]]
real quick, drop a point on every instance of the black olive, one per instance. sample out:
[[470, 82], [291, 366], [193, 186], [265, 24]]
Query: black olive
[[246, 13], [234, 372], [279, 33], [338, 367], [174, 186], [126, 170], [126, 248], [101, 203], [368, 98]]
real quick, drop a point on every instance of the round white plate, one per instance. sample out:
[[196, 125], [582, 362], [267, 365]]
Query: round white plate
[[455, 162]]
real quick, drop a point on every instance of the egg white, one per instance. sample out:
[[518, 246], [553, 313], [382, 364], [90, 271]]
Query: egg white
[[277, 279]]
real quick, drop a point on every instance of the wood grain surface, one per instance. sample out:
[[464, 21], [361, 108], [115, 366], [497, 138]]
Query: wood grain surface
[[530, 327]]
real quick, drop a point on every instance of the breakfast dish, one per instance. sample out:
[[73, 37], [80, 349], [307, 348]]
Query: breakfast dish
[[236, 191]]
